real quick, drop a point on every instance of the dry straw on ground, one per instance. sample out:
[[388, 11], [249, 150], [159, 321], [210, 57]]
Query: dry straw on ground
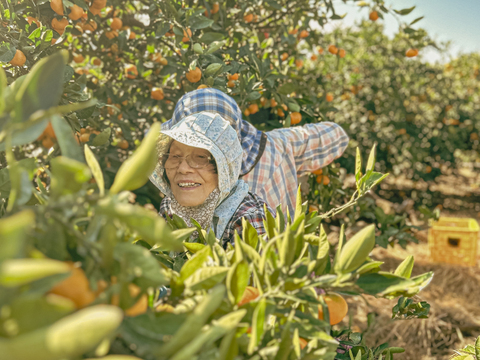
[[454, 321]]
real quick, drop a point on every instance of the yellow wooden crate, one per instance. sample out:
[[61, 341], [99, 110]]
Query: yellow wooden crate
[[453, 241]]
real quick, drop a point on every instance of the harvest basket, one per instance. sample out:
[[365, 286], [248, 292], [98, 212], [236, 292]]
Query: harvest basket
[[453, 241]]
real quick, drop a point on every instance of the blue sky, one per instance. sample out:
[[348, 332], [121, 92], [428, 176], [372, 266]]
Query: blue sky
[[444, 20]]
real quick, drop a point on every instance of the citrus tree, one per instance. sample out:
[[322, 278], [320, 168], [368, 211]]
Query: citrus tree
[[95, 263]]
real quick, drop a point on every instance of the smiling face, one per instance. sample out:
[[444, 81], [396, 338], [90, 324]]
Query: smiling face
[[190, 186]]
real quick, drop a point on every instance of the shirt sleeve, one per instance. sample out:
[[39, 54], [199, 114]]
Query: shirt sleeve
[[313, 145]]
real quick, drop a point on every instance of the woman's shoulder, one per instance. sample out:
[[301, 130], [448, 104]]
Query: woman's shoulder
[[252, 205]]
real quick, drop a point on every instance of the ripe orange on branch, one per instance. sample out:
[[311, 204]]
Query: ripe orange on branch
[[194, 75], [187, 35], [215, 8], [248, 18], [337, 308], [57, 6], [233, 76], [411, 53], [295, 117], [298, 63], [19, 58], [341, 53], [253, 108], [284, 56], [329, 97], [332, 49], [373, 16], [131, 71], [76, 12], [76, 287], [116, 24], [157, 93], [317, 172], [79, 59], [304, 34], [323, 179], [59, 25]]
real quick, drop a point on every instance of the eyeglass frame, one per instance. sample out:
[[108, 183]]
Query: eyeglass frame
[[164, 157]]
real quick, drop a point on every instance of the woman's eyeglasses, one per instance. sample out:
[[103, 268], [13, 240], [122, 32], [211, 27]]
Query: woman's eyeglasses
[[195, 161]]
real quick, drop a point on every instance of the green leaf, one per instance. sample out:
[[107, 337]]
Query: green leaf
[[141, 264], [3, 87], [13, 233], [102, 138], [253, 95], [249, 234], [258, 325], [135, 171], [214, 46], [477, 348], [194, 323], [287, 88], [68, 175], [42, 87], [66, 139], [200, 22], [210, 37], [149, 226], [416, 20], [405, 11], [68, 338], [356, 250], [237, 281], [193, 247], [95, 169], [206, 278], [371, 160], [7, 52], [195, 263], [16, 272], [405, 268]]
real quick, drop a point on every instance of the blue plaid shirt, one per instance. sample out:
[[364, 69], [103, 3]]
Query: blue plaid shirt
[[288, 153]]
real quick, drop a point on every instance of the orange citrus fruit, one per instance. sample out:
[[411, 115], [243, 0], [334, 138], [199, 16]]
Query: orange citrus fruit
[[323, 179], [215, 8], [337, 307], [47, 143], [194, 75], [76, 12], [253, 108], [341, 53], [57, 6], [280, 112], [19, 58], [85, 137], [246, 112], [76, 288], [295, 117], [320, 50], [141, 306], [123, 144], [298, 63], [284, 56], [373, 16], [293, 31], [116, 24], [59, 25], [248, 18], [187, 35], [273, 102], [203, 86], [78, 59], [131, 71], [411, 53], [329, 97], [313, 57], [317, 172], [303, 343], [332, 49], [233, 76], [303, 34], [91, 25], [157, 93]]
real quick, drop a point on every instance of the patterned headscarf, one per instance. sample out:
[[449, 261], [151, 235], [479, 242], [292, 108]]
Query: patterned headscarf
[[215, 101], [207, 131]]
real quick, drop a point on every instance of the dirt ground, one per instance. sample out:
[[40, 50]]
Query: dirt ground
[[453, 294]]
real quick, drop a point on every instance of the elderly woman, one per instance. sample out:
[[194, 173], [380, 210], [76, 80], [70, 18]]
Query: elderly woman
[[200, 158]]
